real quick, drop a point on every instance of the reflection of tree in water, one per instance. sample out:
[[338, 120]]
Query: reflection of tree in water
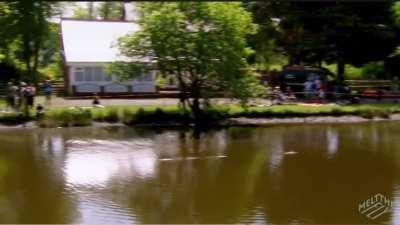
[[30, 191], [335, 168], [202, 190], [315, 187]]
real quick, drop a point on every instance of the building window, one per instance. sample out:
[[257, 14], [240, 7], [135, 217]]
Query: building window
[[78, 74], [98, 74], [146, 77], [88, 74], [107, 77]]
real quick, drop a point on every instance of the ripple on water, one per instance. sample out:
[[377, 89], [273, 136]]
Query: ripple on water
[[255, 216], [95, 209]]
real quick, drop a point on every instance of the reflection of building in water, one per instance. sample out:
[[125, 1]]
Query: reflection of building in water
[[332, 138], [96, 209], [95, 162], [115, 175], [276, 152], [396, 207]]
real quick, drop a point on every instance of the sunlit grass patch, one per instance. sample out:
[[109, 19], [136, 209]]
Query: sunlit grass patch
[[2, 103], [131, 115]]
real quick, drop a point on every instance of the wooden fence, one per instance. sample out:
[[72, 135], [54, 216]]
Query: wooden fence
[[362, 85]]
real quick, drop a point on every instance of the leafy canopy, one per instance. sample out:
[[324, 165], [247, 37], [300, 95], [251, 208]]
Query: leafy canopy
[[202, 44]]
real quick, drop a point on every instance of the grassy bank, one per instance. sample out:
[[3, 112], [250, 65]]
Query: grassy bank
[[170, 115]]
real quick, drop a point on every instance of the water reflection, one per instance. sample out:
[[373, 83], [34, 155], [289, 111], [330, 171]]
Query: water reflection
[[235, 175], [95, 162]]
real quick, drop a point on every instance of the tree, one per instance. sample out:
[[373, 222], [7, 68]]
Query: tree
[[264, 42], [101, 10], [28, 26], [344, 32], [202, 44], [111, 10]]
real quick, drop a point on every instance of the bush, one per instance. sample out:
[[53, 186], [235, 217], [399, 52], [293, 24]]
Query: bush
[[66, 118], [156, 115], [111, 115], [373, 70], [14, 118]]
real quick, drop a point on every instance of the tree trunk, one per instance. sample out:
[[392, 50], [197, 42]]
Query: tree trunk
[[27, 51], [106, 10], [182, 97], [340, 69], [196, 110], [90, 10], [35, 78], [123, 11], [195, 106]]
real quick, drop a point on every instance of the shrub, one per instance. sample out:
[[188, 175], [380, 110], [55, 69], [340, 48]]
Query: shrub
[[373, 70], [367, 114], [66, 118], [111, 115], [14, 118]]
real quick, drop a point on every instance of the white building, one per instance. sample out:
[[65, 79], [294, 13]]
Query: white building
[[90, 45]]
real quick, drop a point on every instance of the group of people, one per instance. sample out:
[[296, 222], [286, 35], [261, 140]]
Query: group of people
[[21, 96], [279, 96], [315, 88]]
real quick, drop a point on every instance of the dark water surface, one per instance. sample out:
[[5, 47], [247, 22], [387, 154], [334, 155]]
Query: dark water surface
[[281, 174]]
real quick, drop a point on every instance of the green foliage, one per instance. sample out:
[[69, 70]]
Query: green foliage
[[52, 71], [159, 116], [50, 57], [172, 115], [161, 80], [396, 12], [112, 115], [203, 44], [66, 118], [81, 13], [373, 70], [111, 10], [342, 32], [103, 10], [13, 118], [125, 71], [109, 114], [25, 30]]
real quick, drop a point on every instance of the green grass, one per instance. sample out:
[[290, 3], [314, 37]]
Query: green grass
[[303, 110], [2, 102], [131, 115]]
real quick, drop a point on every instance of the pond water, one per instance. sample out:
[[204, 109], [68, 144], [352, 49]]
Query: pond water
[[280, 174]]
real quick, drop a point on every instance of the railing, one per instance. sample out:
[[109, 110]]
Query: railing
[[301, 95], [369, 84]]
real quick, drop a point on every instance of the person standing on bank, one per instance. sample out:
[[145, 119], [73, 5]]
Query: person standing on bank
[[12, 93], [48, 90], [29, 93], [21, 100]]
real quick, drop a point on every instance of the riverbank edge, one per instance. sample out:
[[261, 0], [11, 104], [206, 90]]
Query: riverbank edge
[[232, 122]]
